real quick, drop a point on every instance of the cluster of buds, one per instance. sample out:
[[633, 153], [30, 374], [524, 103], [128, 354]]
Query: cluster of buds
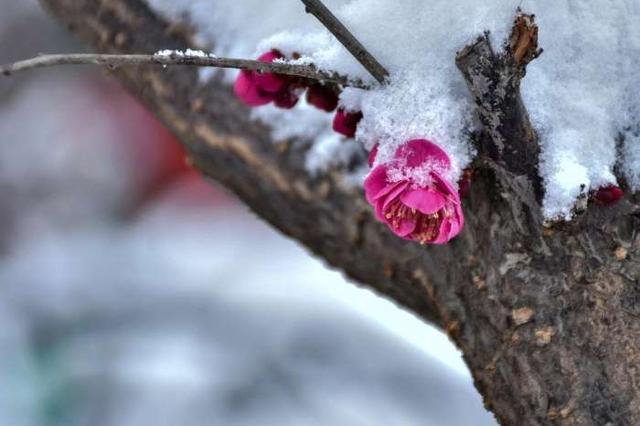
[[422, 207], [256, 89]]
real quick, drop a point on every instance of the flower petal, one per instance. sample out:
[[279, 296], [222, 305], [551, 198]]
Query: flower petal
[[425, 200], [455, 229], [405, 227], [459, 217], [392, 192], [375, 182], [444, 232], [377, 186], [417, 151], [377, 204], [270, 82], [444, 186]]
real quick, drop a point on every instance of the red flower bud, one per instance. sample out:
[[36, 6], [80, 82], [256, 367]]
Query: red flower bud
[[286, 99], [256, 89], [322, 97], [346, 122], [607, 195]]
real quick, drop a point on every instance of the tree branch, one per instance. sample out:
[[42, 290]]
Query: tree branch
[[174, 58], [494, 82], [348, 40]]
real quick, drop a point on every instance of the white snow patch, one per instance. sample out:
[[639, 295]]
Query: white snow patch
[[330, 150], [303, 121], [577, 93]]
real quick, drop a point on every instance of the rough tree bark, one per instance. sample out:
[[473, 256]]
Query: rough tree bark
[[548, 318]]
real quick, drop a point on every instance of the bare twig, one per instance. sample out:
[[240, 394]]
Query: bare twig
[[328, 19], [115, 61]]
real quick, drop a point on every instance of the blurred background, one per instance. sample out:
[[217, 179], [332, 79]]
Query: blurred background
[[132, 292]]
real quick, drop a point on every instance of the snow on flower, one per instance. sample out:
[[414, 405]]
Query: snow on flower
[[412, 194]]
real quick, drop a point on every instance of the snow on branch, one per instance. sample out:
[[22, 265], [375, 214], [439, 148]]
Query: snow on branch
[[190, 58], [202, 59], [348, 40]]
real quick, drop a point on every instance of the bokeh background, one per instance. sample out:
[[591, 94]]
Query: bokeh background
[[132, 292]]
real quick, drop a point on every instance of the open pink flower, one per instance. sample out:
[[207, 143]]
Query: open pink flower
[[256, 89], [346, 122], [411, 195]]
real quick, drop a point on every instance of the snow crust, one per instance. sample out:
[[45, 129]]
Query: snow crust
[[581, 93]]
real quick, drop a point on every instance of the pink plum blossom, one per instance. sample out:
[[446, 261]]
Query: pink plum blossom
[[256, 89], [346, 122], [411, 194]]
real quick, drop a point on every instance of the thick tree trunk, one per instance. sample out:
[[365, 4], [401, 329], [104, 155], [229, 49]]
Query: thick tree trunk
[[548, 318]]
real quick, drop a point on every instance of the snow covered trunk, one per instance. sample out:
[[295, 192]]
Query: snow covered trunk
[[547, 318]]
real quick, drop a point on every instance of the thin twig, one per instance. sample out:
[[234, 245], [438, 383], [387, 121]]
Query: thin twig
[[344, 36], [115, 61]]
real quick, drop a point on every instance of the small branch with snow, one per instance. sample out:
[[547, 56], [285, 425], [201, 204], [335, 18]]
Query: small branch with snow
[[176, 57], [348, 40]]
